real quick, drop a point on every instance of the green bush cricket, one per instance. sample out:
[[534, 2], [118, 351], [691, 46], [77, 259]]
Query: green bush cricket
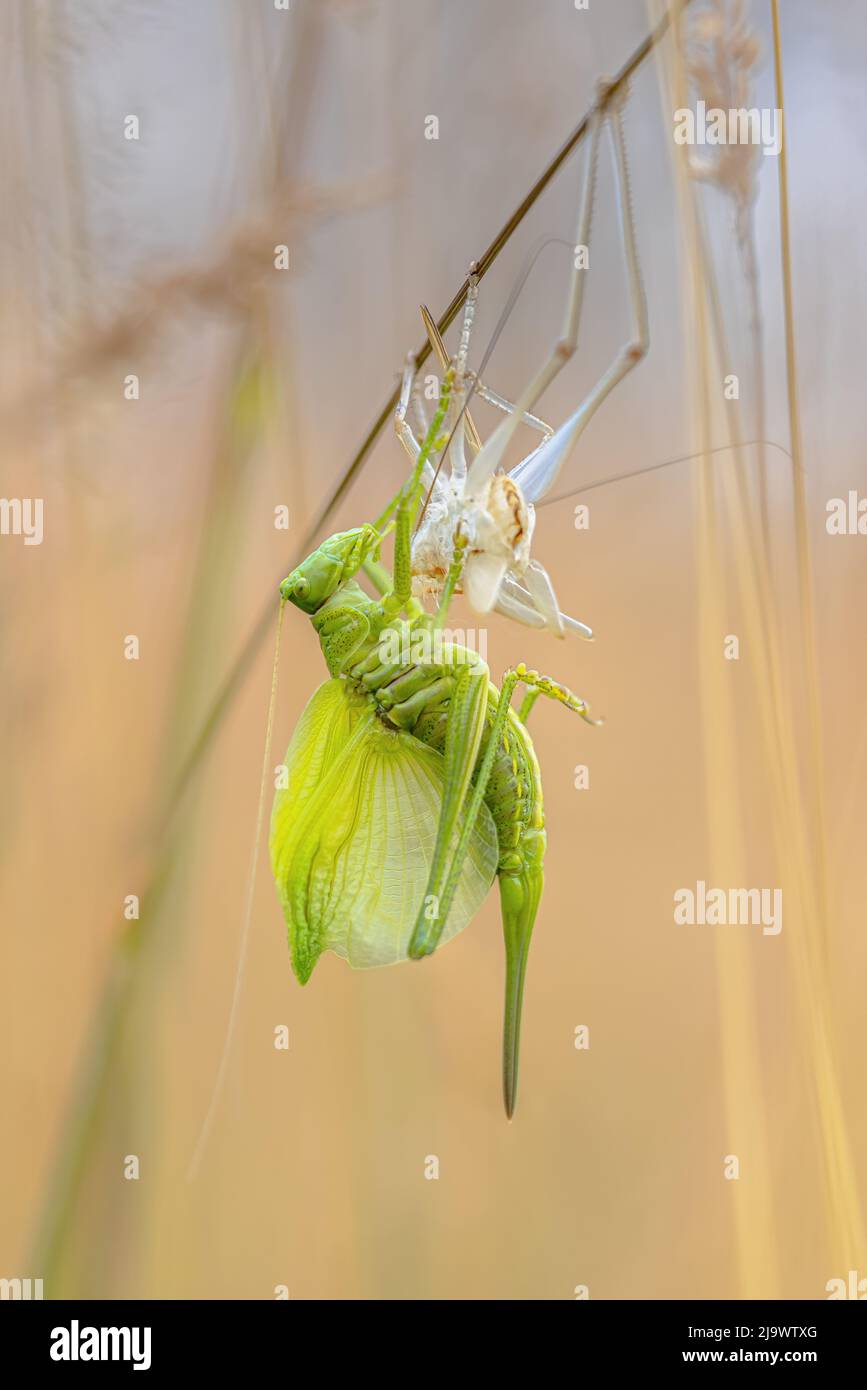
[[411, 784]]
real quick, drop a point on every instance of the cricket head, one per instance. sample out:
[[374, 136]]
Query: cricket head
[[336, 561]]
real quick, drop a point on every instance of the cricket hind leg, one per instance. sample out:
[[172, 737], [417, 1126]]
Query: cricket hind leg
[[521, 879], [521, 874]]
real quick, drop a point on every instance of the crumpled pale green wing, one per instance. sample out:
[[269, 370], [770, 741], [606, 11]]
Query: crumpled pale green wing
[[353, 832]]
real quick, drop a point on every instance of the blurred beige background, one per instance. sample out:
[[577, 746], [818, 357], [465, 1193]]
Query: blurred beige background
[[152, 257]]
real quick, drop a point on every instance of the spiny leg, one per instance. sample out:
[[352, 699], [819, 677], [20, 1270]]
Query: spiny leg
[[441, 352], [490, 458], [537, 474]]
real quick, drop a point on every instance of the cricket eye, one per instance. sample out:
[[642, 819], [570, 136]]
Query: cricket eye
[[294, 586]]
